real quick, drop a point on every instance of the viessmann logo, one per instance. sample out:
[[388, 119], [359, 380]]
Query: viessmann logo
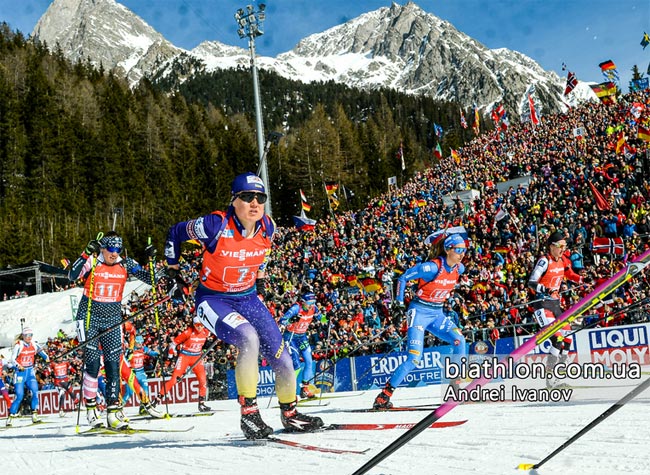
[[242, 254]]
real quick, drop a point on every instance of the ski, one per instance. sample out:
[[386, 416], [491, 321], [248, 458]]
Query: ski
[[145, 417], [26, 425], [296, 445], [402, 425], [423, 407], [597, 295], [128, 431]]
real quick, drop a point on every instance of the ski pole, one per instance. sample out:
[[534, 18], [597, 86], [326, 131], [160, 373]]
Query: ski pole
[[91, 288], [113, 327], [154, 296], [611, 410]]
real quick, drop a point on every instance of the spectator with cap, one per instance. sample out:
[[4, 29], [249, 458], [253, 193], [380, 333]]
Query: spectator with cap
[[237, 243]]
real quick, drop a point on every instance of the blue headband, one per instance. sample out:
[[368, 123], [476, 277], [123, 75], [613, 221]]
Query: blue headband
[[453, 241]]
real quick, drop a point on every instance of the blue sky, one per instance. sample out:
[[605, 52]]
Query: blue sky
[[580, 33]]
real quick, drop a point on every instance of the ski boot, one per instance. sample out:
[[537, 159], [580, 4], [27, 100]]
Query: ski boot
[[115, 418], [382, 401], [10, 420], [61, 413], [202, 406], [251, 422], [36, 418], [305, 393], [92, 416], [294, 421]]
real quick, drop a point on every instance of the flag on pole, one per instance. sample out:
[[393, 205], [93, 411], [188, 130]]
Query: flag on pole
[[400, 155], [571, 83], [437, 152], [533, 114], [392, 180], [620, 142], [303, 223], [601, 202], [331, 187], [608, 69], [463, 122], [455, 156], [476, 126], [438, 130], [643, 133], [302, 196], [306, 206], [646, 40]]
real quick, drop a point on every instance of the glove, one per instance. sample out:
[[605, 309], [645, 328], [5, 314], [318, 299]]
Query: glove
[[93, 247], [260, 287], [176, 286], [398, 309], [150, 250]]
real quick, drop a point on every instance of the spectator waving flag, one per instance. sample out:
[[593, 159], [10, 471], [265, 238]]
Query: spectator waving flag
[[609, 70], [571, 83], [533, 114], [400, 155], [437, 152], [303, 223], [612, 246], [643, 133], [646, 40], [438, 130]]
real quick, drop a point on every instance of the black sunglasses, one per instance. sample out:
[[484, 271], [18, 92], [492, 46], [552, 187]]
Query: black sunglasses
[[249, 196]]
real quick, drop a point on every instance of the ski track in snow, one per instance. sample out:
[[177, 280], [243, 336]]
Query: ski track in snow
[[495, 440]]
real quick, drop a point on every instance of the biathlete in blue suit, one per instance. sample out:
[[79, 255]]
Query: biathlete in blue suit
[[23, 357], [436, 279], [296, 321]]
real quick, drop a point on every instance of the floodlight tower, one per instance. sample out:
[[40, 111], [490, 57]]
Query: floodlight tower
[[250, 23]]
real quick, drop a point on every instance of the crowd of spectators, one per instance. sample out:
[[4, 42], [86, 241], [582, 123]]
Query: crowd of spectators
[[560, 175]]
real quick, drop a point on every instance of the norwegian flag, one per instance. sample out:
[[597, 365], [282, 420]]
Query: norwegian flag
[[571, 83], [613, 246]]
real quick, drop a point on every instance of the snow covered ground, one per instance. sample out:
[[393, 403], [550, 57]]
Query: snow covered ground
[[496, 438]]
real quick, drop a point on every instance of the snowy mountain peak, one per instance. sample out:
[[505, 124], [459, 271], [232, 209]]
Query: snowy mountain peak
[[105, 32], [400, 47]]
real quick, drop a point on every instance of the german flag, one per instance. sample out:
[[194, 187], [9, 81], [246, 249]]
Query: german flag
[[643, 133]]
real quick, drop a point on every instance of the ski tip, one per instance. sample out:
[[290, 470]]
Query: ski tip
[[526, 466]]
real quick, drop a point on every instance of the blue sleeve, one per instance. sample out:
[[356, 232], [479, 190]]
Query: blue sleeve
[[292, 312], [148, 351], [427, 271], [203, 229], [136, 270]]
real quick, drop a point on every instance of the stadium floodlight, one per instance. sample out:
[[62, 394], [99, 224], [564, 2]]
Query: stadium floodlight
[[250, 26]]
